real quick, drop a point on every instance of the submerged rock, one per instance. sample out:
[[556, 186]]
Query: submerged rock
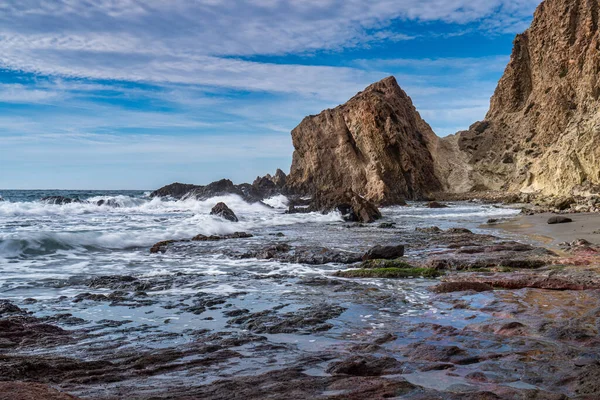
[[306, 320], [221, 210]]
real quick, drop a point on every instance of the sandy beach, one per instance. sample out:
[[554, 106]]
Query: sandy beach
[[536, 227]]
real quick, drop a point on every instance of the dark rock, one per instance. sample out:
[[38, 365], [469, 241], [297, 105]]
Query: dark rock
[[431, 229], [384, 253], [250, 193], [559, 220], [458, 231], [108, 203], [7, 308], [161, 247], [387, 225], [304, 321], [60, 200], [176, 190], [435, 204], [221, 210], [31, 391], [211, 238], [302, 254], [366, 366], [434, 353], [447, 287], [353, 207]]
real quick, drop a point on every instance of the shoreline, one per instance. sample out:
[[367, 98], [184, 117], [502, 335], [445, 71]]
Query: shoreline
[[537, 228]]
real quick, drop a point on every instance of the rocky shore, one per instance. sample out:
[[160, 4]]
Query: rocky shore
[[507, 319]]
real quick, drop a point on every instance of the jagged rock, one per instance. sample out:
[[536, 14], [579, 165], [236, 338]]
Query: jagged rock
[[559, 220], [375, 145], [221, 210], [176, 190], [542, 131], [249, 193], [384, 253], [270, 182]]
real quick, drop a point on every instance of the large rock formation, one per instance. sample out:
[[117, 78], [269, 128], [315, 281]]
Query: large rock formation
[[542, 132], [375, 145]]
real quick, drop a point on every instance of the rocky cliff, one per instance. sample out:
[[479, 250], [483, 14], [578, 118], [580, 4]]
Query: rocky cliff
[[542, 132], [375, 145]]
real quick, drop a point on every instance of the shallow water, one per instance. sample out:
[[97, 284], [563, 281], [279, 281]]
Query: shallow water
[[51, 252]]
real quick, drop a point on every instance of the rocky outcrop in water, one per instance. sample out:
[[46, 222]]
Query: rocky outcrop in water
[[375, 145], [221, 210], [542, 131], [261, 189]]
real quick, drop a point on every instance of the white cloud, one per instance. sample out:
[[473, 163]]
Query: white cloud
[[192, 42]]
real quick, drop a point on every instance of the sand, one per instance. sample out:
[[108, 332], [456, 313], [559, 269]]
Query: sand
[[537, 228]]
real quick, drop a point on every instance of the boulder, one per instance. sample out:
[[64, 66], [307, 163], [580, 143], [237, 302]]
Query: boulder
[[384, 253], [435, 204], [376, 145], [221, 210], [559, 219]]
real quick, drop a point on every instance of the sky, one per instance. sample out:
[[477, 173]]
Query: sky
[[136, 94]]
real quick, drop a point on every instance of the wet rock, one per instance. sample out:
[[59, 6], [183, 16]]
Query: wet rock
[[90, 297], [435, 204], [365, 366], [353, 207], [448, 287], [8, 308], [161, 247], [31, 391], [434, 353], [566, 279], [559, 220], [384, 253], [458, 231], [108, 203], [431, 230], [302, 254], [211, 238], [59, 200], [221, 210], [387, 225], [114, 282], [26, 332], [385, 338], [304, 321]]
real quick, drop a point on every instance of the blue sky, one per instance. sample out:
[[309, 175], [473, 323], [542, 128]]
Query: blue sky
[[135, 94]]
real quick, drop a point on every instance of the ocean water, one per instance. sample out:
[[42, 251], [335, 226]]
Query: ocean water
[[51, 253]]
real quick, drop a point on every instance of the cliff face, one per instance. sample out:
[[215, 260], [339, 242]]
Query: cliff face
[[375, 145], [542, 132]]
